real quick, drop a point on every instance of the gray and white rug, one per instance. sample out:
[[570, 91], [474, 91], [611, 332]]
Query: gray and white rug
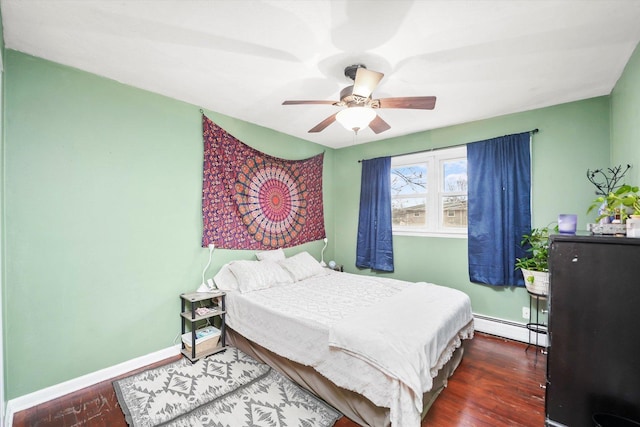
[[225, 389]]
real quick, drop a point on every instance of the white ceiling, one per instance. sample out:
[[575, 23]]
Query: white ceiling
[[243, 58]]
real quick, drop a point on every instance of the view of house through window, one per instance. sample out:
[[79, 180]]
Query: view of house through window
[[429, 192]]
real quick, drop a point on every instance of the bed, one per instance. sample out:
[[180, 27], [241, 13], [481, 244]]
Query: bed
[[379, 350]]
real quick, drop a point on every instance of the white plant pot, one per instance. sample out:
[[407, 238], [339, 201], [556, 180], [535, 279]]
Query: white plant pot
[[633, 226], [537, 282]]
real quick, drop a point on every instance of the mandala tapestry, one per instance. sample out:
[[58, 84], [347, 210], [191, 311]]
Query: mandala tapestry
[[251, 200]]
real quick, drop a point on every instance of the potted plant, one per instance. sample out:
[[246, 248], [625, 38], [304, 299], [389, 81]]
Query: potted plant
[[624, 201], [535, 267]]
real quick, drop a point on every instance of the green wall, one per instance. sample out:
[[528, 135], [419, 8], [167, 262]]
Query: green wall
[[3, 400], [625, 119], [103, 218], [573, 138]]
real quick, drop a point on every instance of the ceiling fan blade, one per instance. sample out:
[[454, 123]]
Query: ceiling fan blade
[[308, 102], [412, 102], [365, 82], [378, 125], [323, 124]]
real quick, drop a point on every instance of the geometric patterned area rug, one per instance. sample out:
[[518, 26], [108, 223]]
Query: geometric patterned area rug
[[226, 389]]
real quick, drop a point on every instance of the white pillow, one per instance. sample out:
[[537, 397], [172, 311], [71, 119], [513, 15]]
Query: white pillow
[[256, 275], [275, 255], [302, 266], [225, 280]]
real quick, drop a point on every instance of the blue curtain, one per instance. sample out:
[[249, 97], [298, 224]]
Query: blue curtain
[[375, 239], [499, 192]]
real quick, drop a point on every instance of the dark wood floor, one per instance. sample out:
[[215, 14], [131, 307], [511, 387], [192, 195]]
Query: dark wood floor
[[497, 384]]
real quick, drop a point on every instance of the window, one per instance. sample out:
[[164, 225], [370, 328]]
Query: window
[[429, 193]]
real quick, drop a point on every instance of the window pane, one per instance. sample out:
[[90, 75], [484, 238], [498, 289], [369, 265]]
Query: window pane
[[407, 180], [409, 211], [429, 192], [455, 175], [454, 211]]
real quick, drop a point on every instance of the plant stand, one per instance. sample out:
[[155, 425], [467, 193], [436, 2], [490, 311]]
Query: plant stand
[[537, 327]]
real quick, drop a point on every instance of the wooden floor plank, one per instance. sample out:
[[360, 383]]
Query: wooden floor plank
[[497, 384]]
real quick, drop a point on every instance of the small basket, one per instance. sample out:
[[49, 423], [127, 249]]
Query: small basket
[[204, 345], [537, 282]]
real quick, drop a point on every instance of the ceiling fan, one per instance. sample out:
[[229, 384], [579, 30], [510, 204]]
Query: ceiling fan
[[360, 105]]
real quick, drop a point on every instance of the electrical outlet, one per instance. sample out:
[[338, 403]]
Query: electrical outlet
[[525, 313]]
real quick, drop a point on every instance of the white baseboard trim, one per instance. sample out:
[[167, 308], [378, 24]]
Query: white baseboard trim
[[507, 329], [32, 399]]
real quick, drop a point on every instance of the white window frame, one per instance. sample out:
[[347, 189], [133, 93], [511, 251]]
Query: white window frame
[[434, 161]]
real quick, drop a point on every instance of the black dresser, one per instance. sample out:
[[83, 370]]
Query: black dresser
[[593, 363]]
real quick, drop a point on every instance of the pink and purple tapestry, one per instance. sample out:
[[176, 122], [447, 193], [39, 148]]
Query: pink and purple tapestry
[[251, 200]]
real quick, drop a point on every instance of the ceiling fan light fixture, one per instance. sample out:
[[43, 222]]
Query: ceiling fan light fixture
[[361, 106], [355, 118]]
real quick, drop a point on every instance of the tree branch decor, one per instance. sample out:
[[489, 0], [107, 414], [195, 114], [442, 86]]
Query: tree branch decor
[[606, 181]]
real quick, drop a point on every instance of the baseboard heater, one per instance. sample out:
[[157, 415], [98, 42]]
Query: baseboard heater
[[507, 329]]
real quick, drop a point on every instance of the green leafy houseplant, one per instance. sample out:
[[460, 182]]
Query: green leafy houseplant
[[626, 198], [535, 267], [537, 244]]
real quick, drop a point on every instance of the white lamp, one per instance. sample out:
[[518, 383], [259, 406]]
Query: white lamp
[[322, 263], [204, 287], [355, 118]]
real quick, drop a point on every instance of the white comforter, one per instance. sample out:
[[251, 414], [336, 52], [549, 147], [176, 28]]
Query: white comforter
[[402, 333]]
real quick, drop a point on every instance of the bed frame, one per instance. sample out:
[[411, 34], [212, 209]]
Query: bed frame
[[353, 405]]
